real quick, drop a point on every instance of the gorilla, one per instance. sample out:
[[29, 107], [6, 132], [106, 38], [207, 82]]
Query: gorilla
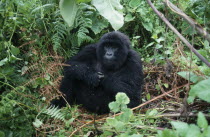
[[98, 72]]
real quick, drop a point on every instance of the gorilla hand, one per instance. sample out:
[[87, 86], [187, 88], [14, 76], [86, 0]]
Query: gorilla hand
[[100, 75], [95, 78]]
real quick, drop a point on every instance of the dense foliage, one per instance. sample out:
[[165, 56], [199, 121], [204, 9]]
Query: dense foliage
[[37, 36]]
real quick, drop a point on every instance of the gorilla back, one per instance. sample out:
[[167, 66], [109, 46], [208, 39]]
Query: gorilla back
[[99, 71]]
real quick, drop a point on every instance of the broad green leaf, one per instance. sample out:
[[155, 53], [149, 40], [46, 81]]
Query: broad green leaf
[[193, 131], [108, 9], [167, 52], [152, 112], [122, 98], [167, 133], [2, 134], [125, 117], [15, 51], [42, 7], [98, 23], [160, 39], [134, 3], [181, 127], [201, 90], [158, 46], [193, 77], [202, 122], [148, 26], [206, 43], [68, 10], [129, 17], [114, 107], [207, 132], [115, 123], [3, 61]]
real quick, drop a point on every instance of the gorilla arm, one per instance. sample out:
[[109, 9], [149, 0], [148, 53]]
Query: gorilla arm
[[82, 66]]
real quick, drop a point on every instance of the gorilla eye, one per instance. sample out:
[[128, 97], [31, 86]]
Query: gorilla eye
[[111, 48]]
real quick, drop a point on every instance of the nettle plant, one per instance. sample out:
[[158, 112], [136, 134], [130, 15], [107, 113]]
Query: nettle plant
[[120, 125], [182, 129]]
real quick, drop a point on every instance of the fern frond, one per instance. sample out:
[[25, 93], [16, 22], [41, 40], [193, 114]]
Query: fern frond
[[54, 112], [60, 31]]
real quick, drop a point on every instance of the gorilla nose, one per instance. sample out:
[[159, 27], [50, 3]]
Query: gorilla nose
[[109, 54]]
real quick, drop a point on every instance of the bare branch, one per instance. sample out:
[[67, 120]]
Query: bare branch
[[178, 34], [199, 29]]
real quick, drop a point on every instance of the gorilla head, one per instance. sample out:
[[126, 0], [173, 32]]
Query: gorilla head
[[112, 50]]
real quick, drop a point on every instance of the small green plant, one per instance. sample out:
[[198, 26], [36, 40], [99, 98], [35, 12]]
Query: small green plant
[[201, 87], [125, 124], [52, 111], [182, 129]]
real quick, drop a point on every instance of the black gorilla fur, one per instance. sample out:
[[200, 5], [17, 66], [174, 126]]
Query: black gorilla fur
[[82, 85]]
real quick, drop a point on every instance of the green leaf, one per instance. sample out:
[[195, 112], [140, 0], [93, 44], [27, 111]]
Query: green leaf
[[68, 10], [160, 39], [167, 52], [181, 127], [98, 23], [152, 112], [148, 26], [122, 98], [109, 9], [158, 46], [125, 117], [84, 1], [129, 17], [3, 61], [115, 123], [114, 107], [37, 123], [193, 131], [136, 135], [15, 51], [68, 122], [206, 43], [47, 77], [167, 133], [201, 90], [166, 85], [148, 96], [134, 3], [202, 122], [193, 77], [42, 7], [2, 134], [206, 132]]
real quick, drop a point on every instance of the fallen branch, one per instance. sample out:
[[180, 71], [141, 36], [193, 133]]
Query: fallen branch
[[180, 115], [161, 16], [199, 29]]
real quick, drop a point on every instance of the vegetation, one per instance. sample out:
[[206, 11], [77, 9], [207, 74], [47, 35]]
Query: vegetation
[[36, 37]]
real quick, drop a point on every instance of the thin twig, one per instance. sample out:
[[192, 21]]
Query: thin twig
[[198, 27], [161, 16]]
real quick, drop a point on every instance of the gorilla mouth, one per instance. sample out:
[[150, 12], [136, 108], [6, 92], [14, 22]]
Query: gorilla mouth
[[109, 61]]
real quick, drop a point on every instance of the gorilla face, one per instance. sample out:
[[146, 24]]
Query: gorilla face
[[109, 53], [112, 51]]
